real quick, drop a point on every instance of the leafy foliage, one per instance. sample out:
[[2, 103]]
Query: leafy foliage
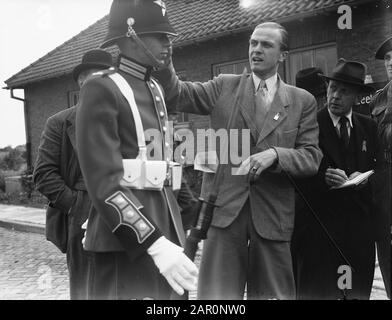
[[12, 158]]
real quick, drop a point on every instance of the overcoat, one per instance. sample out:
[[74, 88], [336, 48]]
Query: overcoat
[[57, 175], [347, 214]]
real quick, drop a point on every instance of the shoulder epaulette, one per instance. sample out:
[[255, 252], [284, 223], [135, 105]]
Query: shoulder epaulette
[[104, 73]]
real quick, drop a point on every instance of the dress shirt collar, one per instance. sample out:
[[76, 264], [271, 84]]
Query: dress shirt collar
[[335, 119], [271, 82]]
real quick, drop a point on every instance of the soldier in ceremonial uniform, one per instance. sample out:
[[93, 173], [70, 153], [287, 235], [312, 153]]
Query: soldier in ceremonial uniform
[[135, 236]]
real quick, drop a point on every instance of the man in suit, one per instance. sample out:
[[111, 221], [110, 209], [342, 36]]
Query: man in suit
[[134, 235], [383, 198], [249, 241], [311, 80], [57, 175], [348, 141]]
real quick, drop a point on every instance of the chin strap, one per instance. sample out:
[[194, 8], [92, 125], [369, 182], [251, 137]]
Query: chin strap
[[157, 64]]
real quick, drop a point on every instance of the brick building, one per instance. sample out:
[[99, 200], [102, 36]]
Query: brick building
[[213, 38]]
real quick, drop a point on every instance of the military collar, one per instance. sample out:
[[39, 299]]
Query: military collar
[[378, 110], [134, 68]]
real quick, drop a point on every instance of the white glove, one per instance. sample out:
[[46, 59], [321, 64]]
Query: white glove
[[84, 226], [180, 272]]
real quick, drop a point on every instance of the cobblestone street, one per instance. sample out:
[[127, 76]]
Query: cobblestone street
[[32, 268]]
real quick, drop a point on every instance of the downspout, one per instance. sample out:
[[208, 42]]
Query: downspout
[[27, 130]]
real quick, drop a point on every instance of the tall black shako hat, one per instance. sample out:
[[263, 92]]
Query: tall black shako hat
[[310, 79], [350, 72], [385, 47], [93, 59], [149, 16]]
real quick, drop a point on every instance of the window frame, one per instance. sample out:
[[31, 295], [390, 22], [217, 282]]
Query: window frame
[[304, 49]]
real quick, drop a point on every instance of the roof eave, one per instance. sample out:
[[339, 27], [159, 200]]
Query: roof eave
[[287, 19], [291, 18], [23, 84]]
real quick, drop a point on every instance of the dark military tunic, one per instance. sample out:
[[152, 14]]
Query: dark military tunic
[[383, 186], [123, 223], [378, 104]]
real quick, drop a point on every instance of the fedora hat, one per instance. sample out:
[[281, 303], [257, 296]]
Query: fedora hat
[[92, 59], [350, 72], [310, 80], [149, 16], [385, 47]]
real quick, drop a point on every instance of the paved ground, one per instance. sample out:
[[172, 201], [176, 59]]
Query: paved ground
[[32, 268]]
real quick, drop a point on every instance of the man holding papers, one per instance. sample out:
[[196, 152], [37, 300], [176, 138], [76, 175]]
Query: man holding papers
[[344, 205], [249, 240]]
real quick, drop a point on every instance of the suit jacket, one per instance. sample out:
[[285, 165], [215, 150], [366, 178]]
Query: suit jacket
[[351, 207], [290, 127], [57, 169], [121, 219]]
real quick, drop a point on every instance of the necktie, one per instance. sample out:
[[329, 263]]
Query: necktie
[[262, 91], [261, 105], [344, 131]]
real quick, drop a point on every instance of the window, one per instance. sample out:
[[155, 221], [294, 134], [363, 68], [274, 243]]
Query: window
[[236, 67], [324, 57], [233, 67], [73, 98]]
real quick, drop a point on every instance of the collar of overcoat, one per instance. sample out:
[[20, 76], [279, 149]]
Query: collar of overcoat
[[70, 127]]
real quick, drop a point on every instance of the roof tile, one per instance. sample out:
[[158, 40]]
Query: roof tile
[[194, 20]]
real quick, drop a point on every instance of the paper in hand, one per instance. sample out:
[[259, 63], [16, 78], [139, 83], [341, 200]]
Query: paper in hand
[[206, 161], [355, 181]]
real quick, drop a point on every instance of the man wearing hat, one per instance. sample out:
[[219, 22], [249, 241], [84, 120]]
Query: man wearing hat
[[134, 235], [348, 141], [311, 80], [382, 106], [379, 101], [58, 177]]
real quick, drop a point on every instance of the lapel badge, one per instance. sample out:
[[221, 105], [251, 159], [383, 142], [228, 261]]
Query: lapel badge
[[364, 148], [276, 118]]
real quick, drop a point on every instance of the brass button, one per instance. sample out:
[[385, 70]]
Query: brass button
[[162, 114], [157, 98]]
